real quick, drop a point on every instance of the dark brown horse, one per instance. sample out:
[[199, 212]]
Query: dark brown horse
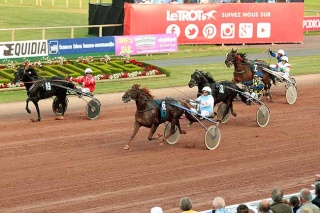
[[244, 70], [152, 112]]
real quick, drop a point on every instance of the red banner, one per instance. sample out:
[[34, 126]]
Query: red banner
[[311, 23], [218, 23]]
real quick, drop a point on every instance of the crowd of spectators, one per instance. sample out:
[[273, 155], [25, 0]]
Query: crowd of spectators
[[304, 202], [210, 1]]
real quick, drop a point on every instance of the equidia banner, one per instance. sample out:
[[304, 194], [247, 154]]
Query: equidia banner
[[23, 49], [146, 44], [218, 23]]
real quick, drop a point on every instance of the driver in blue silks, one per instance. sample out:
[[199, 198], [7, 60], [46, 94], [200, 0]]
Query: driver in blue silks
[[255, 87], [204, 103]]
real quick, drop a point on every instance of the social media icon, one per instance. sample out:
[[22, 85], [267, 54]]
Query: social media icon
[[227, 30], [245, 30], [191, 31], [209, 31], [173, 29], [263, 30]]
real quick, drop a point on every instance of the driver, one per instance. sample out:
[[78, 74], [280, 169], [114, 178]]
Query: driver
[[283, 68], [203, 104], [88, 81], [255, 87]]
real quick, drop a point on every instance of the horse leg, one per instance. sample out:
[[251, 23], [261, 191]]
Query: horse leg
[[152, 131], [27, 105], [135, 131], [35, 102], [63, 104]]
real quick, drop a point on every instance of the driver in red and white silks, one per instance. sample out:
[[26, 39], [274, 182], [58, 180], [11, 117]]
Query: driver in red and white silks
[[203, 103], [88, 81], [283, 68]]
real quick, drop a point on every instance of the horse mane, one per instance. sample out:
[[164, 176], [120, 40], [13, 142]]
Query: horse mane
[[243, 56], [209, 77], [147, 93]]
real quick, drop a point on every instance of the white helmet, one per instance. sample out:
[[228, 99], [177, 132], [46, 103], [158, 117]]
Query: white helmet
[[284, 58], [207, 89], [281, 52], [87, 70]]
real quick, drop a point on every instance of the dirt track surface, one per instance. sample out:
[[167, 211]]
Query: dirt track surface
[[78, 165]]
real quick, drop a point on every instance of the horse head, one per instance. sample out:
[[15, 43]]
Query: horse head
[[25, 75], [197, 78], [135, 93], [231, 56]]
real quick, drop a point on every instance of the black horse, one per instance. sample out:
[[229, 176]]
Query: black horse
[[244, 70], [152, 112], [224, 91], [39, 88]]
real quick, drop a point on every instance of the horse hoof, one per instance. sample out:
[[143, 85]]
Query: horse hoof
[[183, 132], [28, 111], [161, 144], [126, 147], [60, 118], [33, 120]]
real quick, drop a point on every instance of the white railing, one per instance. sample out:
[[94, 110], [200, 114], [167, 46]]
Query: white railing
[[72, 28]]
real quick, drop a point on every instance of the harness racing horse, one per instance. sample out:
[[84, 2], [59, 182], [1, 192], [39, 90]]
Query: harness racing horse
[[39, 88], [224, 91], [244, 70], [152, 112]]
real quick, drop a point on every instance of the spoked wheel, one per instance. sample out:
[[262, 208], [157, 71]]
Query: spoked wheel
[[173, 139], [93, 109], [57, 106], [263, 116], [212, 137], [222, 107], [291, 94]]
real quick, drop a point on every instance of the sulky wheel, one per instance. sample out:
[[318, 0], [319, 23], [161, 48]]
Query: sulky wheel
[[173, 139], [291, 94], [263, 116], [93, 109], [222, 107], [57, 107], [212, 137]]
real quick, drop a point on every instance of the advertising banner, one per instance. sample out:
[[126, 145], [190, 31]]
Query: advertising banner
[[81, 46], [311, 23], [218, 23], [23, 49], [145, 44]]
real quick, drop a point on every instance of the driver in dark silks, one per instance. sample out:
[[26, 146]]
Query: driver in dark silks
[[255, 87]]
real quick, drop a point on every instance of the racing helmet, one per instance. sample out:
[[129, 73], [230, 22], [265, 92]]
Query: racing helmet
[[87, 70], [284, 58], [207, 89], [281, 51], [259, 74]]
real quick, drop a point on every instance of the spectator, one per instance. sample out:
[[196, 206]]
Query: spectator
[[88, 81], [186, 205], [242, 208], [278, 206], [306, 210], [264, 206], [295, 203], [218, 205], [316, 200], [305, 200], [156, 210]]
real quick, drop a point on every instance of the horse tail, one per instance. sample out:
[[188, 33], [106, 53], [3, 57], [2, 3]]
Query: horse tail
[[241, 94]]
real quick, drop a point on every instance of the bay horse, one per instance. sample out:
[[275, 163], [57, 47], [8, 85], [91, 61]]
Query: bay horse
[[152, 112], [224, 91], [39, 88], [244, 70]]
